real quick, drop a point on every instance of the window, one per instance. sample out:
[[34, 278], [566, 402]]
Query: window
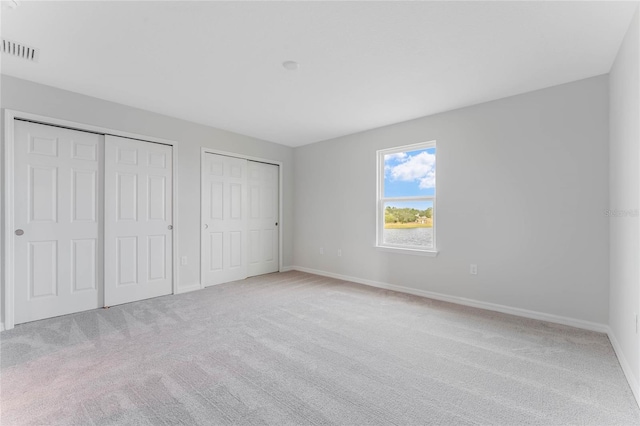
[[406, 216]]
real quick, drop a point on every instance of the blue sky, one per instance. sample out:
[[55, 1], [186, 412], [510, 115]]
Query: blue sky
[[410, 173]]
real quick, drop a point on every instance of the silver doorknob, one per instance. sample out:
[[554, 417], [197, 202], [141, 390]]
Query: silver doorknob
[[206, 226], [19, 232], [170, 227]]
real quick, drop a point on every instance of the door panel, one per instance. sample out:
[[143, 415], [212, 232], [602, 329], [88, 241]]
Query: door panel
[[126, 197], [127, 260], [215, 256], [43, 269], [58, 184], [235, 249], [263, 218], [254, 246], [223, 219], [138, 215], [216, 203], [269, 248], [83, 195], [43, 191], [156, 266], [84, 265], [157, 201]]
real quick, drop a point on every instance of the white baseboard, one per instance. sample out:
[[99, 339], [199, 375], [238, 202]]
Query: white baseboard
[[586, 325], [188, 288], [572, 322], [633, 381], [286, 269], [1, 326]]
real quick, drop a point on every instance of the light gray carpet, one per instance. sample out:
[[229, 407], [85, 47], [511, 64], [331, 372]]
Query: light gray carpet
[[295, 348]]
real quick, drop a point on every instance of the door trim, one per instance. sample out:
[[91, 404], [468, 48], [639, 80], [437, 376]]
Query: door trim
[[9, 182], [203, 152]]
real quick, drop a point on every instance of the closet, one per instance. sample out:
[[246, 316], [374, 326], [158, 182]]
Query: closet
[[239, 229], [92, 216]]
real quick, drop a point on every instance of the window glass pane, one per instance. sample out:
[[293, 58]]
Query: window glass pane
[[408, 223], [411, 173]]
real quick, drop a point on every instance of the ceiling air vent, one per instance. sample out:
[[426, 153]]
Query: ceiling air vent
[[20, 50]]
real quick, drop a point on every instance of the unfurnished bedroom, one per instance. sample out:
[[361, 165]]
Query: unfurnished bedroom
[[320, 213]]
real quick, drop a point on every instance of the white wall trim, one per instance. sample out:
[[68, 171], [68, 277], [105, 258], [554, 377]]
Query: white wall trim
[[633, 382], [174, 207], [1, 326], [572, 322], [9, 117], [9, 122], [286, 269], [74, 125]]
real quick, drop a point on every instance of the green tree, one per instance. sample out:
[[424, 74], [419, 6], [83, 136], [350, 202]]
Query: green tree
[[405, 215], [389, 217]]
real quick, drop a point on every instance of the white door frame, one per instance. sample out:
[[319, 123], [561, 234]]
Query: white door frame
[[9, 182], [205, 151]]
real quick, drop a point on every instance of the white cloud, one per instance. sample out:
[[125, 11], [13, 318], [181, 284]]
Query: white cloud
[[398, 156], [421, 168]]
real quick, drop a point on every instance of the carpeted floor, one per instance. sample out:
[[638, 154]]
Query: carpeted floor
[[297, 349]]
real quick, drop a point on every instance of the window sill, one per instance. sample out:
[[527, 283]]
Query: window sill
[[414, 252]]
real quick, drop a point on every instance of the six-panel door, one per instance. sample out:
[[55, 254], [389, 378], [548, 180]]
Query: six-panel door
[[57, 217], [263, 218], [138, 220], [224, 214]]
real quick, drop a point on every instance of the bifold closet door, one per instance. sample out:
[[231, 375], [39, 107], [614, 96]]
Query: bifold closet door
[[223, 219], [138, 220], [57, 217], [263, 218]]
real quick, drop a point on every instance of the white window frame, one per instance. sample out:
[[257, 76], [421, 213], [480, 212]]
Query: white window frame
[[381, 200]]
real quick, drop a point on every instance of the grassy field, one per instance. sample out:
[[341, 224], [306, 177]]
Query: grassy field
[[409, 225]]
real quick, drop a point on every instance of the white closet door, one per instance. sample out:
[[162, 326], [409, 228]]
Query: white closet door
[[263, 218], [58, 251], [138, 220], [223, 219]]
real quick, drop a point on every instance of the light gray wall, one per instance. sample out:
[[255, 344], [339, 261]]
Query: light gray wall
[[624, 166], [521, 188], [30, 97]]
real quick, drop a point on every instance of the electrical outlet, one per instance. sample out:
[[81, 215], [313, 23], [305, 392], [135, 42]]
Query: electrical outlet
[[183, 260], [339, 252], [473, 269], [321, 250]]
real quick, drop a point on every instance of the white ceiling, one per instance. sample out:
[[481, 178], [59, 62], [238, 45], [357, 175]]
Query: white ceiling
[[362, 64]]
